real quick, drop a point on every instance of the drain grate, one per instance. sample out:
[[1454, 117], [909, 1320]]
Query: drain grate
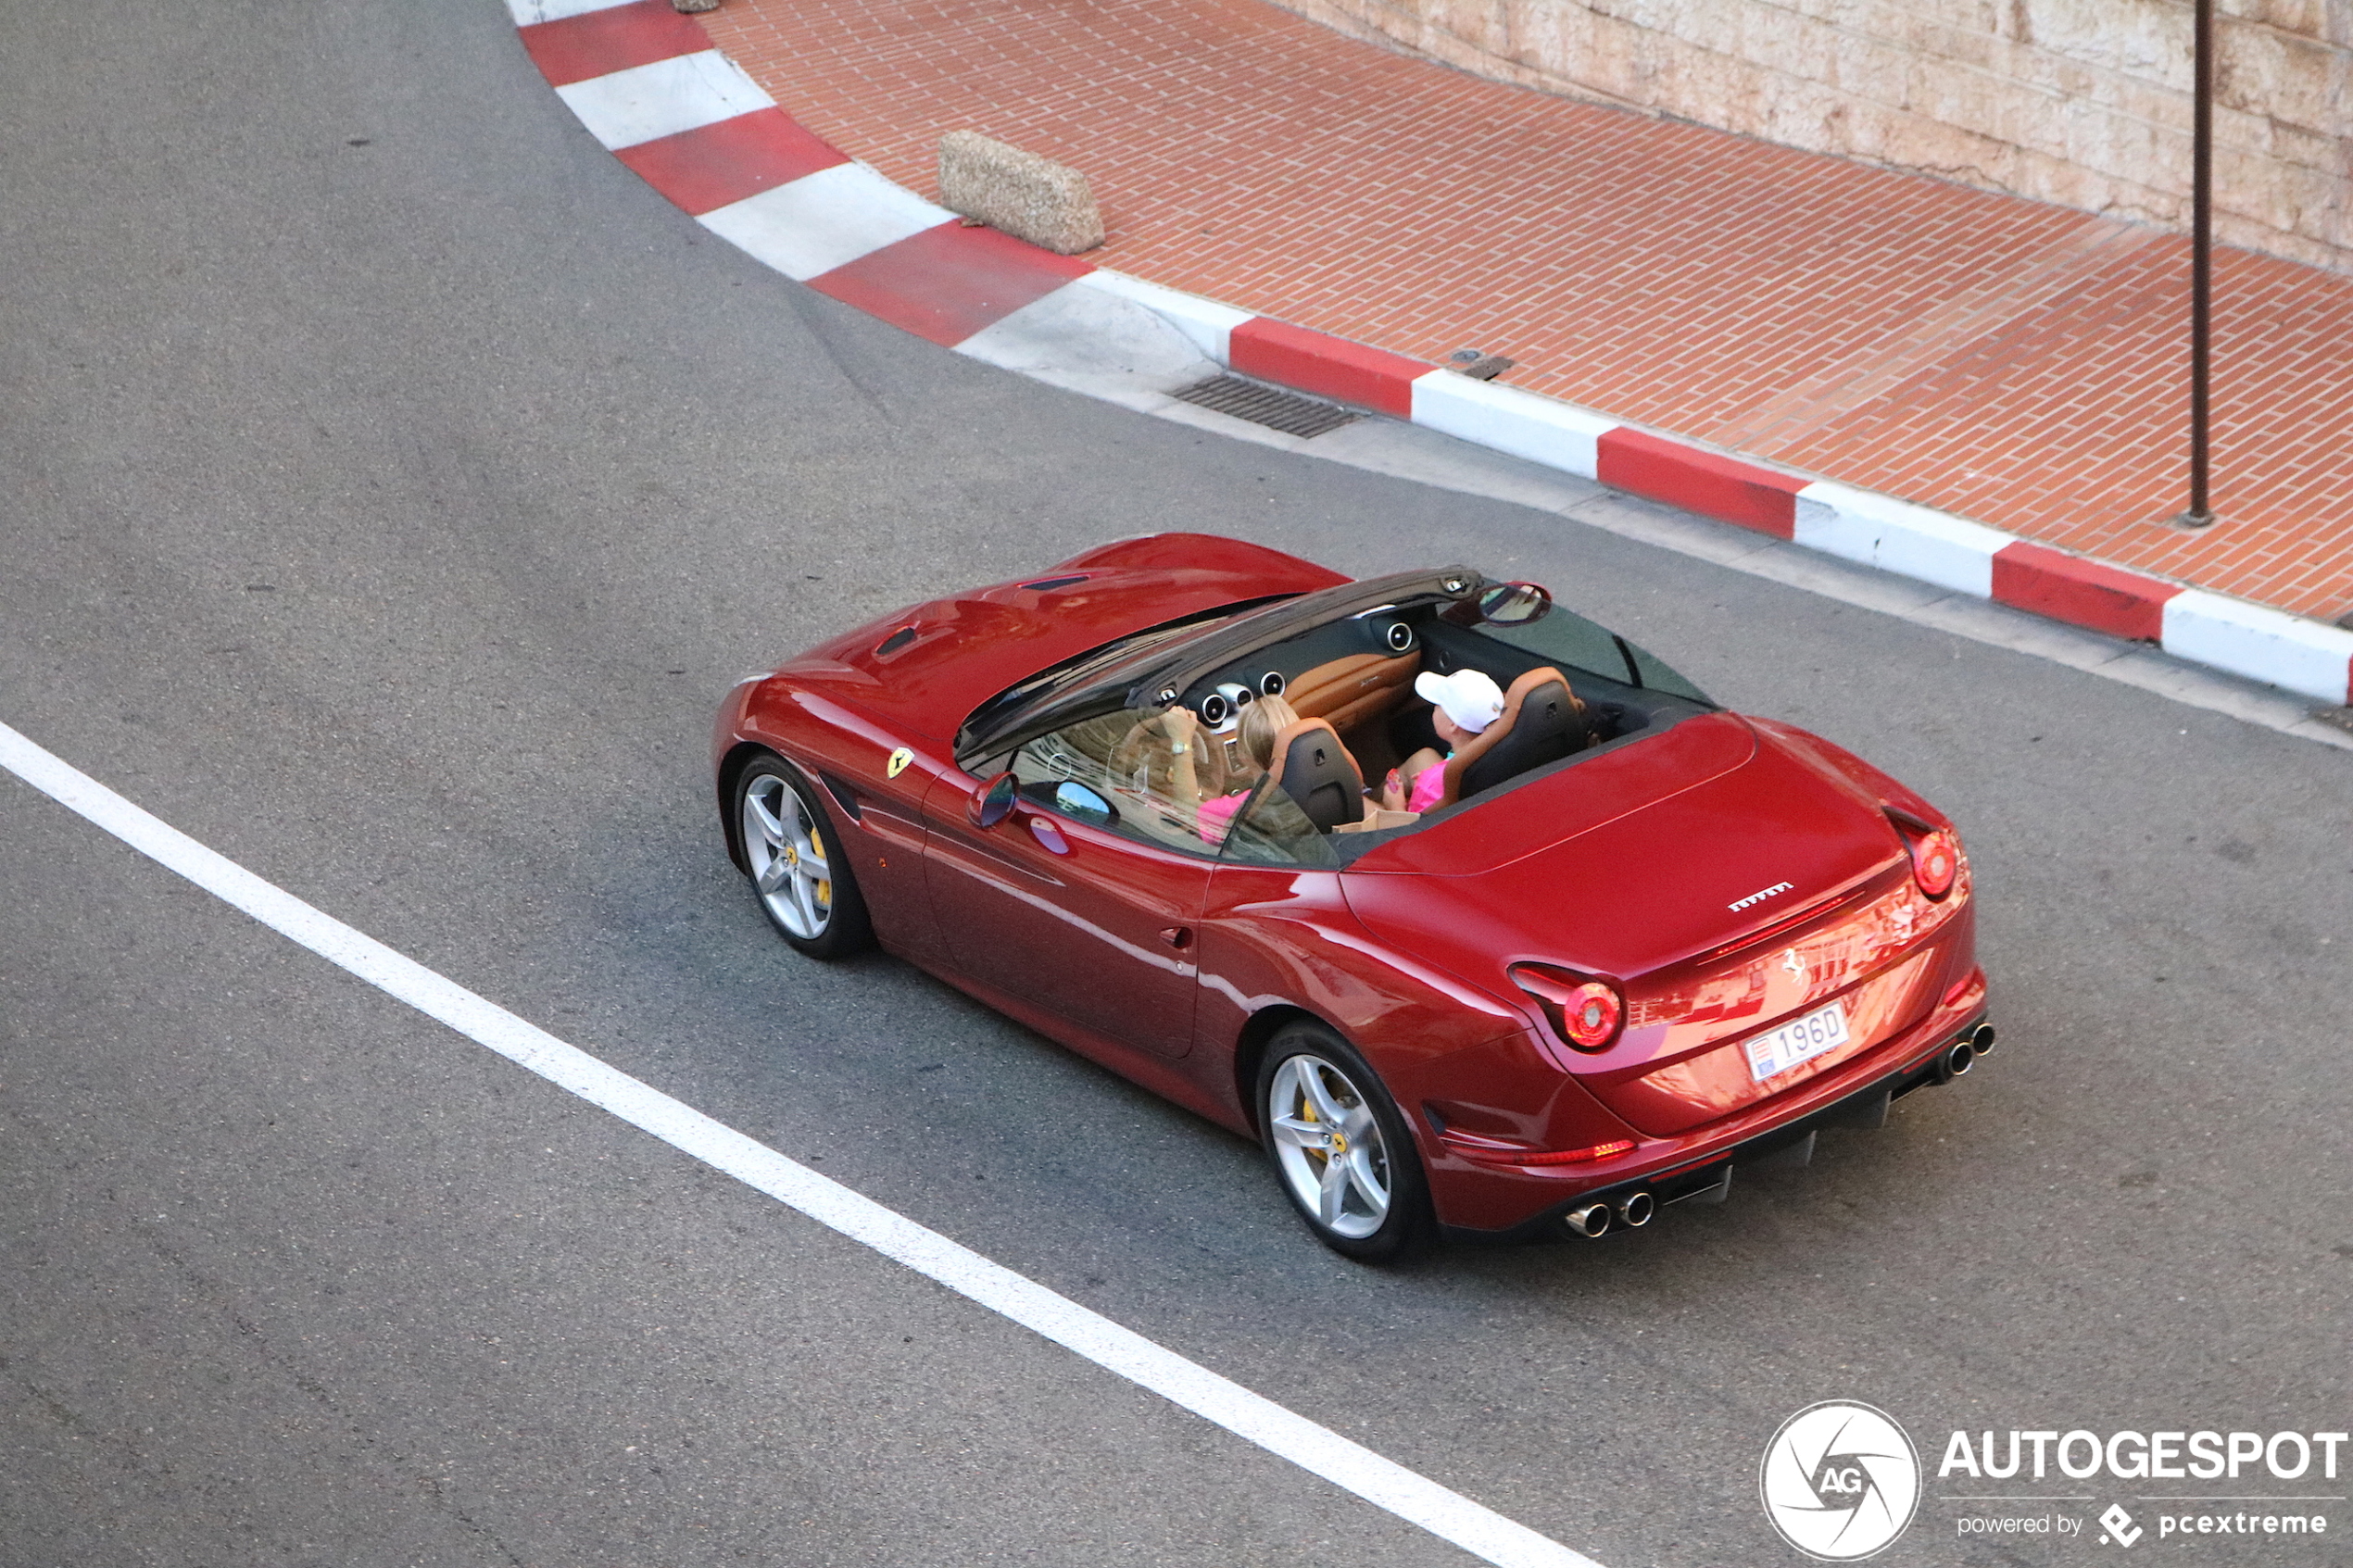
[[1268, 406]]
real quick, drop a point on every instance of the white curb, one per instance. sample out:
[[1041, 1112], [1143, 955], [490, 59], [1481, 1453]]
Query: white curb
[[1084, 335]]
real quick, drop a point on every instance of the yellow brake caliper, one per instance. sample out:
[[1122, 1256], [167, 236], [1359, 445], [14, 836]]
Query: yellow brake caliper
[[824, 888], [1336, 1140]]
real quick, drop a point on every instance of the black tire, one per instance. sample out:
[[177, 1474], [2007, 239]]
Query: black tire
[[1398, 1228], [782, 817]]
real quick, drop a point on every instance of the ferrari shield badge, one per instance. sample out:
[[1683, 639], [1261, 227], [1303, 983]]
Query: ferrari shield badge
[[898, 763]]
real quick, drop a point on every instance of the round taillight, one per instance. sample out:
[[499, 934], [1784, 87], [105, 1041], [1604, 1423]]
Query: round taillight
[[1591, 1016], [1936, 862], [1584, 1013]]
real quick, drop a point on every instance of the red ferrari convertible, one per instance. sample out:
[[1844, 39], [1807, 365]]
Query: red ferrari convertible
[[1259, 837]]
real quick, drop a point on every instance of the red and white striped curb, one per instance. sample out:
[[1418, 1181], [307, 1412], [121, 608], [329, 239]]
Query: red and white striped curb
[[648, 84]]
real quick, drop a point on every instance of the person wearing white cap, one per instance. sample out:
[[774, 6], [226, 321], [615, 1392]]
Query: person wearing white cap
[[1462, 705]]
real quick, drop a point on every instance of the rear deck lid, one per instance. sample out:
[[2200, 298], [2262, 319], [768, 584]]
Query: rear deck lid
[[1693, 901]]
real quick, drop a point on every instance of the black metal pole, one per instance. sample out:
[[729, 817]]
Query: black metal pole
[[2201, 512]]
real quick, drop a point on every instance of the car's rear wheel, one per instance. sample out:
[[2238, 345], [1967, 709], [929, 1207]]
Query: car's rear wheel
[[796, 864], [1340, 1147]]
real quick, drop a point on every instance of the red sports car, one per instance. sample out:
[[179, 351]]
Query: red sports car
[[1484, 922]]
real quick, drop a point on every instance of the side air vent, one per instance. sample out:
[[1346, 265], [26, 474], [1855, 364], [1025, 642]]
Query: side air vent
[[1268, 406], [843, 794]]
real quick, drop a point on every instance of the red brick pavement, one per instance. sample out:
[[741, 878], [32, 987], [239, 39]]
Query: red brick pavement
[[2016, 362]]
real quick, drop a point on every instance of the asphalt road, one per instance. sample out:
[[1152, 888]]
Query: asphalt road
[[394, 485]]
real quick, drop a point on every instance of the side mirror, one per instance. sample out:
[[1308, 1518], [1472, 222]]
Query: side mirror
[[1081, 804], [995, 801], [1514, 604]]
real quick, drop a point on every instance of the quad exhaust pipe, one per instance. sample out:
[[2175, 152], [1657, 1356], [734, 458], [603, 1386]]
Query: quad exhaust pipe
[[1633, 1210]]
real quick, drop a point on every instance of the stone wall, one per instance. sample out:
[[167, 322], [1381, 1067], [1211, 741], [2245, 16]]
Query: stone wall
[[2081, 102]]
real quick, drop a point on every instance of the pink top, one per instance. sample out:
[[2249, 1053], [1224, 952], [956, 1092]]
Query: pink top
[[1214, 816], [1429, 784]]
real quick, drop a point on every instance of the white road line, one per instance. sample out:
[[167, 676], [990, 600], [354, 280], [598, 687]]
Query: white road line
[[1416, 1499]]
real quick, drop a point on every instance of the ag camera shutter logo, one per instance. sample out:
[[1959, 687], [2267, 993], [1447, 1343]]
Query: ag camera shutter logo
[[1839, 1481]]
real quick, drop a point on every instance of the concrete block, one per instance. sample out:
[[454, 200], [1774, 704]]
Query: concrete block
[[1030, 197]]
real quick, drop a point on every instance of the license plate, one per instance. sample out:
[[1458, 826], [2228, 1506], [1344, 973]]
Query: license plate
[[1803, 1039]]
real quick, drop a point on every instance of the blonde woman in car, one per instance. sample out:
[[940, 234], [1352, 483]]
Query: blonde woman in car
[[1263, 723]]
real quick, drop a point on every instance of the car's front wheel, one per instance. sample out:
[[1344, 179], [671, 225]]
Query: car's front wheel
[[1339, 1146], [796, 863]]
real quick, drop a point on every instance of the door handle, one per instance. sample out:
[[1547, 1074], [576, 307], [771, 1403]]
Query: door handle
[[1177, 936]]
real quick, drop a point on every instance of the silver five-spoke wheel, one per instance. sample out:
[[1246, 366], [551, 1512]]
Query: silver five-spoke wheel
[[786, 856], [1328, 1144]]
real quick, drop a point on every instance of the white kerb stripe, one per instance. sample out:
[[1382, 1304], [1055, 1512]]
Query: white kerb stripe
[[1913, 540], [527, 12], [1209, 324], [2260, 642], [644, 103], [1411, 1496], [1074, 333], [823, 221], [1525, 424]]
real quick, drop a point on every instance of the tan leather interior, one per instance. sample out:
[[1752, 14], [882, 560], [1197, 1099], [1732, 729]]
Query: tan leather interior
[[1315, 769], [1346, 692]]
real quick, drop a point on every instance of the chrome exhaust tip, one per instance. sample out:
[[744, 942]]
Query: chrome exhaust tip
[[1635, 1209], [1959, 1060], [1591, 1221], [1982, 1041]]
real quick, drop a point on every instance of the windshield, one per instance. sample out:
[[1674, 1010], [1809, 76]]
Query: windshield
[[1564, 638], [992, 719]]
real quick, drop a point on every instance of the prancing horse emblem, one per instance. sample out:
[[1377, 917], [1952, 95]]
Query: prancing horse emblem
[[1796, 965], [898, 763]]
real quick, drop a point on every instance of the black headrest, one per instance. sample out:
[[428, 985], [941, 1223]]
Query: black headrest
[[1316, 771], [1546, 728]]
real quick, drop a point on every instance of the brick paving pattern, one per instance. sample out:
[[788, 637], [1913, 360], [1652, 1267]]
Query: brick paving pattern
[[2016, 362]]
